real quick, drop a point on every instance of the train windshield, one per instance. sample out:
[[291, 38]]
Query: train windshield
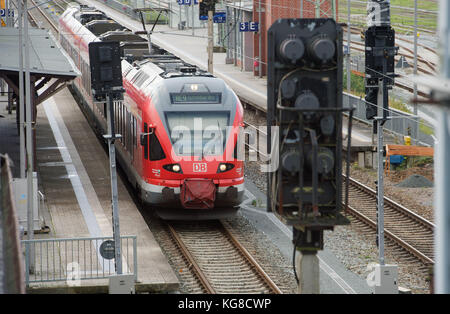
[[198, 133]]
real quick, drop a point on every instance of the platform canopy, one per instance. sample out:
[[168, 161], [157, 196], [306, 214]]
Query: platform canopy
[[48, 61]]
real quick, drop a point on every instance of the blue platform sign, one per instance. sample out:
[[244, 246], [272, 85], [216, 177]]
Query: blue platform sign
[[186, 2], [220, 17], [3, 13], [248, 26]]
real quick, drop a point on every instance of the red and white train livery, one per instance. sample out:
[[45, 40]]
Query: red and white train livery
[[179, 125]]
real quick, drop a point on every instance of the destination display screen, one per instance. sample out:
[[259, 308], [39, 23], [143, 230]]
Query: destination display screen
[[196, 98]]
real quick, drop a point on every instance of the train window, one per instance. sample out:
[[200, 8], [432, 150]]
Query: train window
[[116, 116], [145, 143], [120, 121], [156, 150], [134, 132], [129, 134], [124, 130], [186, 141]]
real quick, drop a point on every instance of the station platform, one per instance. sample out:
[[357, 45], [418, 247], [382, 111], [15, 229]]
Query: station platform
[[73, 174], [249, 88]]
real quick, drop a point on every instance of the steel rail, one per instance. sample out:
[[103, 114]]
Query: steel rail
[[357, 31], [387, 201], [52, 24], [405, 212], [251, 260], [199, 273], [203, 278], [397, 209], [361, 217]]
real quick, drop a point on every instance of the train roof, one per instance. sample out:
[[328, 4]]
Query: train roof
[[134, 48], [98, 27]]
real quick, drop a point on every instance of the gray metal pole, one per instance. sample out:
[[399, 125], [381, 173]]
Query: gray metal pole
[[349, 82], [442, 166], [380, 190], [228, 35], [9, 19], [235, 31], [29, 135], [114, 194], [260, 40], [301, 8], [193, 25], [210, 42], [416, 125], [186, 11], [21, 94]]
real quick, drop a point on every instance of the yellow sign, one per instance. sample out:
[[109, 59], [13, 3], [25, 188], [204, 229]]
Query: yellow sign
[[2, 6]]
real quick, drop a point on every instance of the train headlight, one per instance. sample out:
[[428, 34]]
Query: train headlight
[[225, 167], [176, 168], [173, 168]]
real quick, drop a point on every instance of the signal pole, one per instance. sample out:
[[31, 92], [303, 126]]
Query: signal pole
[[416, 124], [210, 42], [111, 137], [107, 85], [380, 183], [309, 165], [380, 52], [193, 21]]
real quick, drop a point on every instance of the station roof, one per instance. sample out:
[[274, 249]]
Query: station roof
[[46, 55]]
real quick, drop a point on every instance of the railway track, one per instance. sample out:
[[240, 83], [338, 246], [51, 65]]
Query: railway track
[[359, 9], [429, 64], [219, 262], [38, 10], [407, 231], [218, 251]]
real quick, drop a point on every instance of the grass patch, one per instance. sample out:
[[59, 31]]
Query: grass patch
[[398, 104], [400, 17], [357, 84], [425, 128]]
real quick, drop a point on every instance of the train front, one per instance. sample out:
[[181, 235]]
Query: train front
[[199, 127]]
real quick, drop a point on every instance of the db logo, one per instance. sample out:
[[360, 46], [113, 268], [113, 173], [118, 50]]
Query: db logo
[[199, 167]]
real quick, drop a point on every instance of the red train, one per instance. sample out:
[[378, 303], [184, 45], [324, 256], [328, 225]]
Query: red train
[[179, 124]]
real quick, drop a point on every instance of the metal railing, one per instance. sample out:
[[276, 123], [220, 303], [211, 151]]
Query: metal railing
[[76, 259], [401, 124]]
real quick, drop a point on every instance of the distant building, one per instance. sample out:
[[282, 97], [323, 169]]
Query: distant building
[[244, 45]]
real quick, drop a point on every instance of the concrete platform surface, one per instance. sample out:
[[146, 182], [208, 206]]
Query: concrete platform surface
[[73, 172]]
